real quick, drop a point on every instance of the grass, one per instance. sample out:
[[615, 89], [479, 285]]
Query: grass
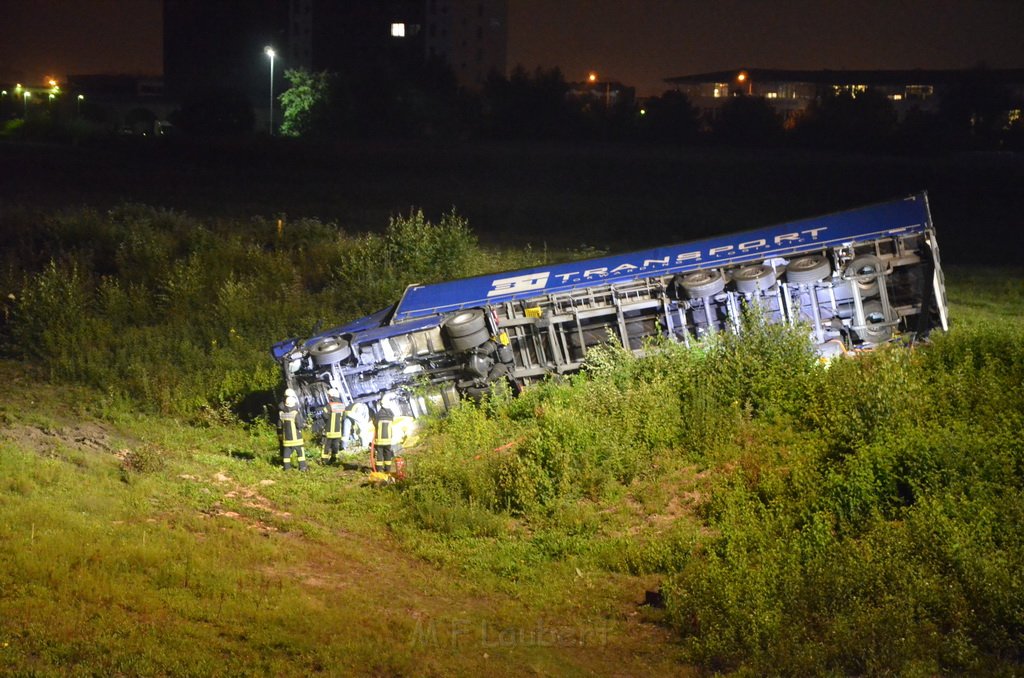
[[790, 515], [213, 563], [133, 544]]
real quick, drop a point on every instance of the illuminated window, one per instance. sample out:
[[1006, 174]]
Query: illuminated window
[[852, 90], [397, 30], [771, 95], [896, 97], [1014, 116], [919, 91], [718, 92]]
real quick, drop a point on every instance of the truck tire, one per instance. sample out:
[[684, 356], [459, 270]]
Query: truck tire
[[470, 340], [755, 278], [704, 283], [809, 269], [465, 323], [330, 350], [877, 331], [868, 267]]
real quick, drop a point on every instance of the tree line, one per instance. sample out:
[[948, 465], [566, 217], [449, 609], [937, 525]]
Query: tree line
[[973, 113]]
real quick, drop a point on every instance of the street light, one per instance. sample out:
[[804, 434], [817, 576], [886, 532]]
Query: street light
[[81, 98], [269, 51], [27, 95], [743, 78], [592, 79]]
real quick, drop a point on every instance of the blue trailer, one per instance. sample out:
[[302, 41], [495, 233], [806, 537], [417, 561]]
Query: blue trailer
[[857, 279]]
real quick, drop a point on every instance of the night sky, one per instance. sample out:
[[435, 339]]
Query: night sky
[[637, 42], [642, 41]]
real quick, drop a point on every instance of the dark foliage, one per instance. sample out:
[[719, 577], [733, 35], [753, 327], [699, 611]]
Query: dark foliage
[[219, 112], [866, 121], [670, 118], [747, 121]]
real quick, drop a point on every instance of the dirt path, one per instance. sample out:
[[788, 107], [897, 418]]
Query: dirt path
[[439, 619]]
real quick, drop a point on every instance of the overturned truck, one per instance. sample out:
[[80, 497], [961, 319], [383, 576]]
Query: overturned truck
[[856, 279]]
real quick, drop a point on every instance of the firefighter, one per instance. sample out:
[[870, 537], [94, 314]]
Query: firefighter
[[355, 427], [292, 423], [335, 412], [386, 441]]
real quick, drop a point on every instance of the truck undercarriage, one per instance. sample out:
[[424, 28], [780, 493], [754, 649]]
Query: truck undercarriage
[[856, 279]]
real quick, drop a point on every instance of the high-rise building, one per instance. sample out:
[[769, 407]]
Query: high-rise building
[[471, 35], [211, 44]]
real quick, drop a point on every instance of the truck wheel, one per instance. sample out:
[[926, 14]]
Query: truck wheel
[[470, 340], [862, 267], [704, 283], [465, 323], [756, 278], [876, 331], [330, 350], [808, 269]]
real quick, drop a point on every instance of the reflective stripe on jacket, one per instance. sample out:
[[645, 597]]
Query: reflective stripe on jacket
[[291, 436], [383, 432], [335, 412]]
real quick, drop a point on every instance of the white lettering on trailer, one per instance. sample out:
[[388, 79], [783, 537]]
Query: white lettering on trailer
[[688, 256], [538, 281], [519, 283]]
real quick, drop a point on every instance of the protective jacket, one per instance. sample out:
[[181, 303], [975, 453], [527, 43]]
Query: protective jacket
[[335, 418], [385, 428], [292, 423]]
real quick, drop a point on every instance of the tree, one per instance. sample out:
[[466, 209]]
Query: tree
[[671, 117], [313, 105], [747, 121], [976, 106], [215, 112], [528, 105], [844, 121]]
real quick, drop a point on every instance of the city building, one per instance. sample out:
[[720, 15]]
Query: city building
[[792, 91], [470, 35], [220, 45]]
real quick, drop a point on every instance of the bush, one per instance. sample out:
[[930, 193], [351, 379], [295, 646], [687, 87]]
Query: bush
[[178, 315]]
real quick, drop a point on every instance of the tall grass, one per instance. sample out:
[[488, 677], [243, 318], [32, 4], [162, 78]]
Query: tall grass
[[861, 517], [178, 315]]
